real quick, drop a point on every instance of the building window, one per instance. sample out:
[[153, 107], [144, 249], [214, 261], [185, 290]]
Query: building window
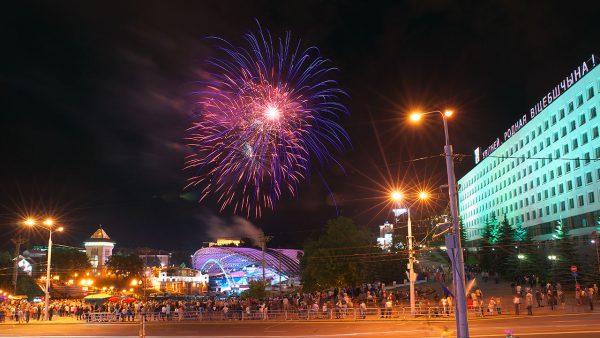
[[569, 185], [562, 206], [580, 200], [570, 107], [588, 178], [559, 171], [554, 209], [579, 100], [598, 153], [571, 203], [590, 93], [573, 125], [578, 181], [553, 119], [594, 133], [568, 167], [587, 158], [591, 197], [575, 144], [561, 188], [581, 119], [593, 113], [584, 138], [562, 115], [577, 163]]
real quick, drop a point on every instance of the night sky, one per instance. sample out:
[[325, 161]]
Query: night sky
[[95, 101]]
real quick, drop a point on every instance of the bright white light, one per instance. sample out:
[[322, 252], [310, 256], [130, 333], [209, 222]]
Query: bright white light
[[521, 256], [592, 241], [396, 196], [272, 113], [415, 116]]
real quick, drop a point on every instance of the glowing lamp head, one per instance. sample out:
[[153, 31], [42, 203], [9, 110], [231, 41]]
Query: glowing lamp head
[[29, 222], [396, 196], [60, 229], [448, 113], [423, 195], [272, 113], [49, 222], [416, 117]]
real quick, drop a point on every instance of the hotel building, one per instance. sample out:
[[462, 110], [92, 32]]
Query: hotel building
[[545, 167]]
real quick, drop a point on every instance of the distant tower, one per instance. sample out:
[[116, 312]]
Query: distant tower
[[386, 232], [98, 248]]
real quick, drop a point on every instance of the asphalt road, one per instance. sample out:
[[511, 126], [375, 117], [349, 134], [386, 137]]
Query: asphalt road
[[576, 325]]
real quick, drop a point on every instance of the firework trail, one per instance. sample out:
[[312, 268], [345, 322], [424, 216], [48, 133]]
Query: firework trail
[[268, 112]]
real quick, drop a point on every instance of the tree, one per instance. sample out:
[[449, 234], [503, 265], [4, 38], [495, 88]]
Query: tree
[[256, 290], [566, 255], [66, 261], [125, 265], [339, 257], [492, 234]]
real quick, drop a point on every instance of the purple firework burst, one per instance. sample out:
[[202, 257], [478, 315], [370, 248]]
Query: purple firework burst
[[267, 112]]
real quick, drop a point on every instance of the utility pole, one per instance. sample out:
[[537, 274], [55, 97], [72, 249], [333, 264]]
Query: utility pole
[[411, 265], [262, 239], [280, 272], [17, 241]]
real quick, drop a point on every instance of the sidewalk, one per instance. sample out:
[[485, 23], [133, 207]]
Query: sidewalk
[[55, 320]]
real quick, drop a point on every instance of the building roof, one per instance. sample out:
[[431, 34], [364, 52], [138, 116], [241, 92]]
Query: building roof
[[215, 260], [100, 236]]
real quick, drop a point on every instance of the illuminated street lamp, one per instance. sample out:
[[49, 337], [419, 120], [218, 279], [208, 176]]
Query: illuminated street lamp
[[453, 240], [397, 197], [48, 224]]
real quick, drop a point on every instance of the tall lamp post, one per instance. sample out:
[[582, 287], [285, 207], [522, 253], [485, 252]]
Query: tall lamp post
[[49, 225], [453, 244], [397, 197]]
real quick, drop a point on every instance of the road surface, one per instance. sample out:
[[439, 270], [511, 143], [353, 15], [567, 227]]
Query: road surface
[[569, 325]]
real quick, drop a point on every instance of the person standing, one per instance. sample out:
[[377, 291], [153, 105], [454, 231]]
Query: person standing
[[517, 303], [538, 297], [590, 297], [529, 302]]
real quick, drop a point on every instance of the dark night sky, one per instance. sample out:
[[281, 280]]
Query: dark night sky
[[94, 101]]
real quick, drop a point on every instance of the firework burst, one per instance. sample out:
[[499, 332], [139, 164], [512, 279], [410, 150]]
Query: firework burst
[[266, 114]]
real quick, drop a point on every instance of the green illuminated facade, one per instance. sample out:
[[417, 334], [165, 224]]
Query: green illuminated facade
[[545, 168]]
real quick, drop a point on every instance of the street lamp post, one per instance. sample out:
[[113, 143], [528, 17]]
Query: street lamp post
[[397, 197], [49, 223], [453, 244]]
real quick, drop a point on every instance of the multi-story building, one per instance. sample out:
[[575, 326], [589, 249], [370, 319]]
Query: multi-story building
[[386, 234], [99, 248], [545, 167]]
